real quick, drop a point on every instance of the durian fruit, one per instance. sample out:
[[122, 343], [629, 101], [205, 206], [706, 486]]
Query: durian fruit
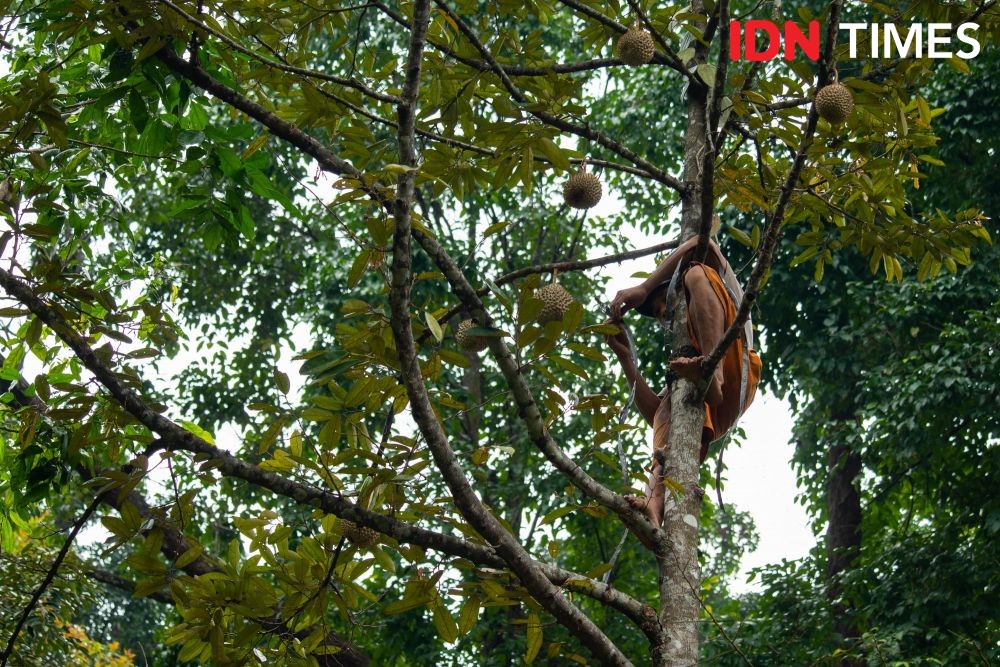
[[468, 341], [555, 300], [635, 47], [834, 102], [582, 189], [363, 536]]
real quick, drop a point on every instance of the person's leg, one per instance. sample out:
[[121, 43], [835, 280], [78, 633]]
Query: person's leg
[[652, 502], [707, 319]]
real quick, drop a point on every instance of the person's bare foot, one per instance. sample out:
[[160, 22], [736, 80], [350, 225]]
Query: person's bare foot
[[645, 505], [690, 368], [642, 504]]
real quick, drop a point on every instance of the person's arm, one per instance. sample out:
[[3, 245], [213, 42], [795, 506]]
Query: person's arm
[[666, 269], [645, 399], [631, 297]]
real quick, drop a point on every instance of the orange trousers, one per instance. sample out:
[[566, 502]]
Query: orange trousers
[[720, 418]]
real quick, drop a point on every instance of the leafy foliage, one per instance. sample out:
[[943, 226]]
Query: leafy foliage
[[169, 194]]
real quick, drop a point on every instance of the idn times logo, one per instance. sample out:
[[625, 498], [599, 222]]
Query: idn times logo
[[885, 40]]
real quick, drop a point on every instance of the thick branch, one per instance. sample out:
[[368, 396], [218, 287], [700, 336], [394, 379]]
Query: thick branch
[[772, 231], [327, 159], [531, 576], [527, 408]]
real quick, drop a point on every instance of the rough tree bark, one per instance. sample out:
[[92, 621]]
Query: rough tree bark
[[677, 550], [677, 544], [843, 534]]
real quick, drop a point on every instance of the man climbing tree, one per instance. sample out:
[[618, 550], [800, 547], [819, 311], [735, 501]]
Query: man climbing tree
[[712, 296]]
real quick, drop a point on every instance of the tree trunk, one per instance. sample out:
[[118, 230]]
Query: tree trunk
[[677, 554], [843, 538], [679, 569]]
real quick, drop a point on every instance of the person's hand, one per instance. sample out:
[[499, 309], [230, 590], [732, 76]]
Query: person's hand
[[627, 299], [618, 342]]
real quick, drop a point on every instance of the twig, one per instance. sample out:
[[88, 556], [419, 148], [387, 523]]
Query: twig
[[668, 58], [118, 581], [8, 651], [233, 44]]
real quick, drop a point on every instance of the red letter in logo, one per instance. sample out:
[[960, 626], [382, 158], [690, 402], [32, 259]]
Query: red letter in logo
[[750, 40], [794, 37], [734, 40]]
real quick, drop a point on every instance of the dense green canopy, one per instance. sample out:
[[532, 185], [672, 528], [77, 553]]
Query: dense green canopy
[[209, 286]]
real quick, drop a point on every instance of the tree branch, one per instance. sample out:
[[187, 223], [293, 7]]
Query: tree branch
[[772, 231], [117, 581], [49, 576], [327, 159], [563, 267], [465, 498], [673, 60], [668, 57], [284, 67], [512, 69]]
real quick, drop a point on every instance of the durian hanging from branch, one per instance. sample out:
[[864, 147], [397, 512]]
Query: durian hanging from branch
[[467, 340], [363, 536], [582, 189], [834, 102], [635, 46], [555, 299]]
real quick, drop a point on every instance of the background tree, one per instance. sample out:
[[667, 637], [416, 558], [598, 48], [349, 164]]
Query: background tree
[[237, 178], [898, 394]]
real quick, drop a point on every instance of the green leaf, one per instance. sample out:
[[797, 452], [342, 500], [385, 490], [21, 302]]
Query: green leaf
[[707, 74], [148, 586], [196, 118], [534, 638], [400, 168], [138, 113], [191, 427], [189, 556], [495, 227], [742, 237], [444, 622], [469, 615], [383, 559], [433, 325], [527, 165], [554, 154], [556, 514], [281, 380], [358, 268]]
